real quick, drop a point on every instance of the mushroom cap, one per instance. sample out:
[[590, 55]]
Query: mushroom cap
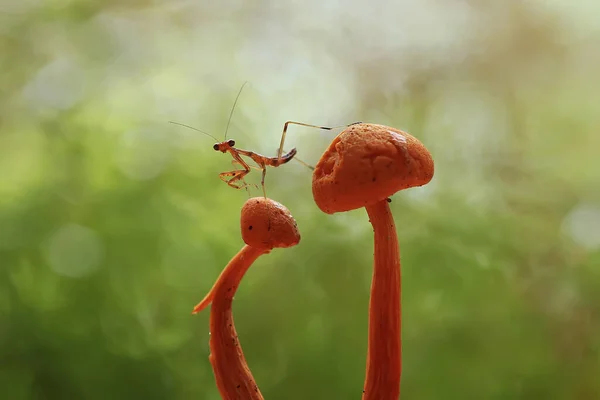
[[367, 163], [266, 223]]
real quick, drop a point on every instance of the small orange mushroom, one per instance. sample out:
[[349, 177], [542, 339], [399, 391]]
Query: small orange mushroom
[[362, 167], [265, 225]]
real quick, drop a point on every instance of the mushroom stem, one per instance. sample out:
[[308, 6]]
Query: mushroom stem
[[265, 224], [233, 377], [384, 342]]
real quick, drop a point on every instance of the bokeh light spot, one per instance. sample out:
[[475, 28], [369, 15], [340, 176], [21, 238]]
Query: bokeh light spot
[[74, 251], [582, 225]]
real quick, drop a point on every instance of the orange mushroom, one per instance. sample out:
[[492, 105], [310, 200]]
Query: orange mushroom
[[362, 167], [265, 225]]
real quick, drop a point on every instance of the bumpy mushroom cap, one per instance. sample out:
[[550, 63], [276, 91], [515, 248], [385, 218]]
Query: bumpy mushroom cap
[[367, 163], [266, 223]]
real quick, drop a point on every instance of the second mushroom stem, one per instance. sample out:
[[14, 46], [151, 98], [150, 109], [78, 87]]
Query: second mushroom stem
[[384, 363]]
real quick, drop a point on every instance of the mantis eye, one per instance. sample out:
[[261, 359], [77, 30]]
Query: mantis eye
[[231, 143], [216, 146]]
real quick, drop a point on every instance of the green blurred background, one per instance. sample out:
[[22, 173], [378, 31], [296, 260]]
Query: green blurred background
[[113, 222]]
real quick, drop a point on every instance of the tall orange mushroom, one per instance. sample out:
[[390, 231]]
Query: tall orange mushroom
[[362, 167], [265, 225]]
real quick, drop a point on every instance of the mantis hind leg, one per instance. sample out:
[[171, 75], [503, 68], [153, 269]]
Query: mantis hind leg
[[262, 181], [327, 128], [307, 165]]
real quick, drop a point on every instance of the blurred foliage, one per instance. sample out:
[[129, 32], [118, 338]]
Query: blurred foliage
[[113, 223]]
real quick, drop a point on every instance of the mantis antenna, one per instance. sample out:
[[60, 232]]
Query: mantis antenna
[[228, 121], [233, 108], [196, 129]]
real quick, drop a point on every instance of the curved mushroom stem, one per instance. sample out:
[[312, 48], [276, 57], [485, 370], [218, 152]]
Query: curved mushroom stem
[[265, 224], [233, 377], [384, 344]]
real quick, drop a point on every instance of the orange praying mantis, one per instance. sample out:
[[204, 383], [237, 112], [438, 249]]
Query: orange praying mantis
[[235, 178]]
